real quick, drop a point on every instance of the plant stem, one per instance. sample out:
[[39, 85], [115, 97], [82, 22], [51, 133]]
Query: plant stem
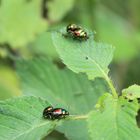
[[113, 90], [110, 84]]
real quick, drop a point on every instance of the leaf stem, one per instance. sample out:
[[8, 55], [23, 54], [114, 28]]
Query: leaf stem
[[78, 117]]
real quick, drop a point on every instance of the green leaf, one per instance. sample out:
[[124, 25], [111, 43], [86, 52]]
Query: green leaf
[[20, 21], [132, 92], [62, 88], [21, 118], [84, 56], [57, 9], [75, 130], [40, 77], [117, 120]]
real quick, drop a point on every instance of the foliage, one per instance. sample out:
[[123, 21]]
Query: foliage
[[116, 121], [89, 57], [26, 114], [132, 92], [60, 70], [61, 88]]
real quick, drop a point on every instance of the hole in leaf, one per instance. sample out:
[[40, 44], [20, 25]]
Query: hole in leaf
[[130, 100]]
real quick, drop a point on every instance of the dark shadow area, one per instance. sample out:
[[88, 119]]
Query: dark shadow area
[[132, 75], [138, 118], [55, 135]]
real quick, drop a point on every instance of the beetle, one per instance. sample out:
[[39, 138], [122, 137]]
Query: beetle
[[72, 27], [46, 111], [76, 32], [55, 113]]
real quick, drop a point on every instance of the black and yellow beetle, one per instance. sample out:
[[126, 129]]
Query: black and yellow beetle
[[77, 32], [54, 113]]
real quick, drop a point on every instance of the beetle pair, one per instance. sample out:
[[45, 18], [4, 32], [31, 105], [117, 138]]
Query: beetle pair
[[54, 113], [76, 32]]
